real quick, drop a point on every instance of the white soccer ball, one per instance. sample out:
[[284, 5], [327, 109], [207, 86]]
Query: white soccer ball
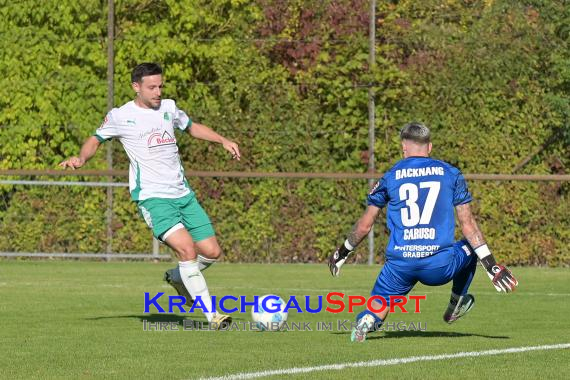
[[272, 316]]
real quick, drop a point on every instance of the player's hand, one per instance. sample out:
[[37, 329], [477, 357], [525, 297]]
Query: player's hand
[[73, 163], [232, 147], [503, 279], [336, 261]]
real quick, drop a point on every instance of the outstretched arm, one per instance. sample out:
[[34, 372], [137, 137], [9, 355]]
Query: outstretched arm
[[502, 278], [469, 226], [202, 132], [88, 150], [359, 231], [363, 226]]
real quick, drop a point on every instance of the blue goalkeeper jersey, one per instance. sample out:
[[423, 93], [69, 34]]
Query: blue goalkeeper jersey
[[420, 194]]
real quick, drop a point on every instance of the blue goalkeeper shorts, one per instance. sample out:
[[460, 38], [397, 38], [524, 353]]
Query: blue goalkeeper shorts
[[398, 280]]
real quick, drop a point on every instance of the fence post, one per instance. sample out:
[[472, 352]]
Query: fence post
[[371, 115], [110, 103], [155, 248]]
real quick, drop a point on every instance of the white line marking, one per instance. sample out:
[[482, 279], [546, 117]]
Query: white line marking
[[386, 362]]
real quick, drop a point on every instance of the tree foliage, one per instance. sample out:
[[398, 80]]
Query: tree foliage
[[290, 80]]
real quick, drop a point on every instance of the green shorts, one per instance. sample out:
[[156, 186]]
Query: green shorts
[[161, 214]]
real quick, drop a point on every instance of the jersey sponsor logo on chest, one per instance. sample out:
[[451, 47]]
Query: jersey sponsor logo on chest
[[160, 139]]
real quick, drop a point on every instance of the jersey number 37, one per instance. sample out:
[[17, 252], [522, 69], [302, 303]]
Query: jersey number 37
[[411, 214]]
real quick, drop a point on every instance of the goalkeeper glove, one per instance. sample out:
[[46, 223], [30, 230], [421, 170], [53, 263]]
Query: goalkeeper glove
[[337, 259], [501, 277]]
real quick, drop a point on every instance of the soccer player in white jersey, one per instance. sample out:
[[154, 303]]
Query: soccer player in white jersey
[[145, 127]]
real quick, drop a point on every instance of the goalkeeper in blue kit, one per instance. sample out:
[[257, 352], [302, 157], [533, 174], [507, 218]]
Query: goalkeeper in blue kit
[[421, 195]]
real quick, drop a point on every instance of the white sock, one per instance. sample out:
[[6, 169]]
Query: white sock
[[205, 262], [196, 284]]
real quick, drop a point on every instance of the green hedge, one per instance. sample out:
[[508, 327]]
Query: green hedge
[[289, 81]]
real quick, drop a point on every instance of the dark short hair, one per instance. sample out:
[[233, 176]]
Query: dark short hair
[[416, 132], [144, 70]]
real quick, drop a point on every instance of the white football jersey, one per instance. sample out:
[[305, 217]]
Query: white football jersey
[[147, 135]]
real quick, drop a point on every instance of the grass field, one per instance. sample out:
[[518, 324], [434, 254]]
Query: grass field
[[62, 319]]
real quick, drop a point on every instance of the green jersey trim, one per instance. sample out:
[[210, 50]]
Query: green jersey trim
[[186, 184], [188, 125], [100, 139], [137, 189]]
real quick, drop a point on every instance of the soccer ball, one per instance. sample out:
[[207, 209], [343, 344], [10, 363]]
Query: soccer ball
[[273, 316]]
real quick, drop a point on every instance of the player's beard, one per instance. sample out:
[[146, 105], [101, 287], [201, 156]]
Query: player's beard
[[152, 104]]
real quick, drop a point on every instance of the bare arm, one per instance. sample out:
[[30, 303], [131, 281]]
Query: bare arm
[[502, 278], [88, 150], [469, 226], [359, 231], [363, 226], [202, 132]]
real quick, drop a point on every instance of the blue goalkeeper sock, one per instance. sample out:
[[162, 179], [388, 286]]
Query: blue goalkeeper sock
[[377, 320]]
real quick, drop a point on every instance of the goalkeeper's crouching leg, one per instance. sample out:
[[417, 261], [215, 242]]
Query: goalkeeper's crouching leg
[[366, 322]]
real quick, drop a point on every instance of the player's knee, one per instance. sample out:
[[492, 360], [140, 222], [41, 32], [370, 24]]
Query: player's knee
[[209, 249], [215, 252], [186, 253]]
